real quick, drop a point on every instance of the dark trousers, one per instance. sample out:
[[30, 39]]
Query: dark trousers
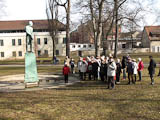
[[152, 79], [66, 78], [111, 82], [140, 75], [102, 76], [130, 77], [135, 78], [117, 77], [83, 74], [89, 75], [95, 75]]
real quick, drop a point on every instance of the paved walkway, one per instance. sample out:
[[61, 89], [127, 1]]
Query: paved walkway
[[15, 83]]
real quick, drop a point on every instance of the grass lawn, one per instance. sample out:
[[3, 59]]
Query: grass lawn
[[87, 100], [21, 70]]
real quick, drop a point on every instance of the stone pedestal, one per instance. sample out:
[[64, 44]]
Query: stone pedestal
[[31, 77]]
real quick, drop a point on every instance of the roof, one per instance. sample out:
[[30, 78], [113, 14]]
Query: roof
[[20, 25], [153, 32]]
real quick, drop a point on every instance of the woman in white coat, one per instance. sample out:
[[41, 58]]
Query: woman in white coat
[[83, 69], [135, 69], [111, 72]]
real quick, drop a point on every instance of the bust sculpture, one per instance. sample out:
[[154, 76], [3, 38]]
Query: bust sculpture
[[29, 36]]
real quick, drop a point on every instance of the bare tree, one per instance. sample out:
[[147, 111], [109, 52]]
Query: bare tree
[[67, 6], [52, 15], [96, 9]]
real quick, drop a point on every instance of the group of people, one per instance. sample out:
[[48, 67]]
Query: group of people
[[109, 70]]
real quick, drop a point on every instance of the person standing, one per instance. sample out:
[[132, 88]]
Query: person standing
[[140, 68], [83, 69], [111, 73], [72, 64], [151, 69], [66, 72], [135, 68], [130, 71], [95, 66], [118, 71], [79, 65], [124, 67]]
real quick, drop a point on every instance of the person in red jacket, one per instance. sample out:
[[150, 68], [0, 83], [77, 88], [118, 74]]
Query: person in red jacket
[[140, 68], [66, 71]]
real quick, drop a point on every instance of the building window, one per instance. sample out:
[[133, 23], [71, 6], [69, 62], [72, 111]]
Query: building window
[[84, 46], [73, 46], [57, 52], [2, 54], [57, 41], [38, 41], [14, 53], [79, 46], [1, 43], [158, 49], [153, 48], [64, 40], [45, 41], [13, 42], [90, 46], [20, 53], [46, 52], [19, 42], [39, 53], [123, 45]]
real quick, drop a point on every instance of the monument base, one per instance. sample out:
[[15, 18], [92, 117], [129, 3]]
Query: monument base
[[30, 85], [31, 77]]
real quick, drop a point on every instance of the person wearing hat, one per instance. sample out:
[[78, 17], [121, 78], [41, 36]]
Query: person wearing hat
[[66, 71], [135, 67]]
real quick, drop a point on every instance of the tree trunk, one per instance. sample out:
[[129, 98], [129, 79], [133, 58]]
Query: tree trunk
[[67, 30], [116, 24]]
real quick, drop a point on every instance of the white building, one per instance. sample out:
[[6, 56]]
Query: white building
[[13, 39], [81, 47]]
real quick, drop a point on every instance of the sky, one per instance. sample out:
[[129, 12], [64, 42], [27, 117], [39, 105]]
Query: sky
[[35, 9]]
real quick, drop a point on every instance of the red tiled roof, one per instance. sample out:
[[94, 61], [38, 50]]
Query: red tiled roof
[[153, 30], [20, 25]]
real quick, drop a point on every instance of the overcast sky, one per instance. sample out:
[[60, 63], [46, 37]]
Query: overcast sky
[[35, 9]]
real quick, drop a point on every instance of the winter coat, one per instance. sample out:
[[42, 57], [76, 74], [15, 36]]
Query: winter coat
[[151, 67], [66, 70], [83, 67], [140, 66], [111, 69], [124, 62], [119, 67], [95, 66], [135, 67], [72, 64], [89, 67], [79, 64], [103, 69], [130, 67]]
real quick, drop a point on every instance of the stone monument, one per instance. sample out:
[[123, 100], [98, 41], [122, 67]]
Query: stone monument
[[31, 76]]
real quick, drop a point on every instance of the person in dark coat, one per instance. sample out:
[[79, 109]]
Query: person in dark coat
[[95, 66], [118, 71], [151, 69], [102, 70], [124, 64], [130, 71]]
